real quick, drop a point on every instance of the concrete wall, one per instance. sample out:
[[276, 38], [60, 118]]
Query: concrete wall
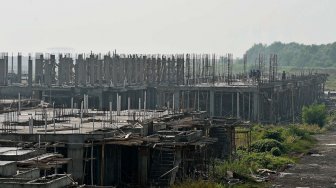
[[8, 168]]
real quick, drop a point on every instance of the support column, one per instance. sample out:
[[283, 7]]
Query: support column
[[238, 114], [72, 105], [232, 104], [176, 100], [118, 104], [198, 101], [143, 156], [139, 105], [101, 100], [145, 101], [212, 103], [19, 105], [75, 167], [256, 106], [221, 105], [249, 106], [110, 105], [30, 72], [102, 166]]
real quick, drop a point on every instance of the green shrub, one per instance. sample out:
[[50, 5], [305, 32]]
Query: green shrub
[[266, 160], [274, 134], [265, 145], [315, 114], [276, 151]]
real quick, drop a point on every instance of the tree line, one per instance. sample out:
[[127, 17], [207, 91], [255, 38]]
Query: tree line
[[295, 54]]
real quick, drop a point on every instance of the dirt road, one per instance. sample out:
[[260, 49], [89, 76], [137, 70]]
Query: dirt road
[[316, 170]]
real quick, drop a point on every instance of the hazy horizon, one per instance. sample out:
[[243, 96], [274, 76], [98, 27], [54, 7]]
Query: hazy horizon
[[157, 26]]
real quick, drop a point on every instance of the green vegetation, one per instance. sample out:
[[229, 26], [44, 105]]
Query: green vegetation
[[314, 114], [198, 184], [265, 145], [297, 55], [274, 148]]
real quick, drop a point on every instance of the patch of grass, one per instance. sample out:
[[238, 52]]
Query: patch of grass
[[299, 139], [250, 162], [197, 184], [266, 160], [300, 146], [238, 166]]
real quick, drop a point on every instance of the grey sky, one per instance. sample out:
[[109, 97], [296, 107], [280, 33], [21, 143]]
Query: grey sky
[[158, 26]]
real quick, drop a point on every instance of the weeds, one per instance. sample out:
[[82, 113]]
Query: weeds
[[272, 149]]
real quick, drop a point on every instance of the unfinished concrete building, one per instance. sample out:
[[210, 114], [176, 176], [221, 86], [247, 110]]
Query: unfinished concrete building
[[147, 120], [182, 82]]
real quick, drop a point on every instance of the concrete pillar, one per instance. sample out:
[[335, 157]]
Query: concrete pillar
[[188, 100], [19, 105], [101, 98], [143, 156], [145, 101], [87, 103], [110, 105], [221, 105], [30, 72], [249, 106], [293, 106], [195, 99], [128, 106], [19, 68], [75, 166], [232, 104], [256, 106], [243, 110], [118, 104], [173, 102], [212, 102], [238, 113], [176, 100], [85, 108], [102, 167], [72, 105], [81, 113], [31, 125], [198, 101], [139, 105]]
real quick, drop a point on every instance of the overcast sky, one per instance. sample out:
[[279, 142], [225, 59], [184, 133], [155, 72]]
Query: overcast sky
[[158, 26]]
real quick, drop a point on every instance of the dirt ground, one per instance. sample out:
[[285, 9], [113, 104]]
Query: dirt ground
[[315, 170]]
